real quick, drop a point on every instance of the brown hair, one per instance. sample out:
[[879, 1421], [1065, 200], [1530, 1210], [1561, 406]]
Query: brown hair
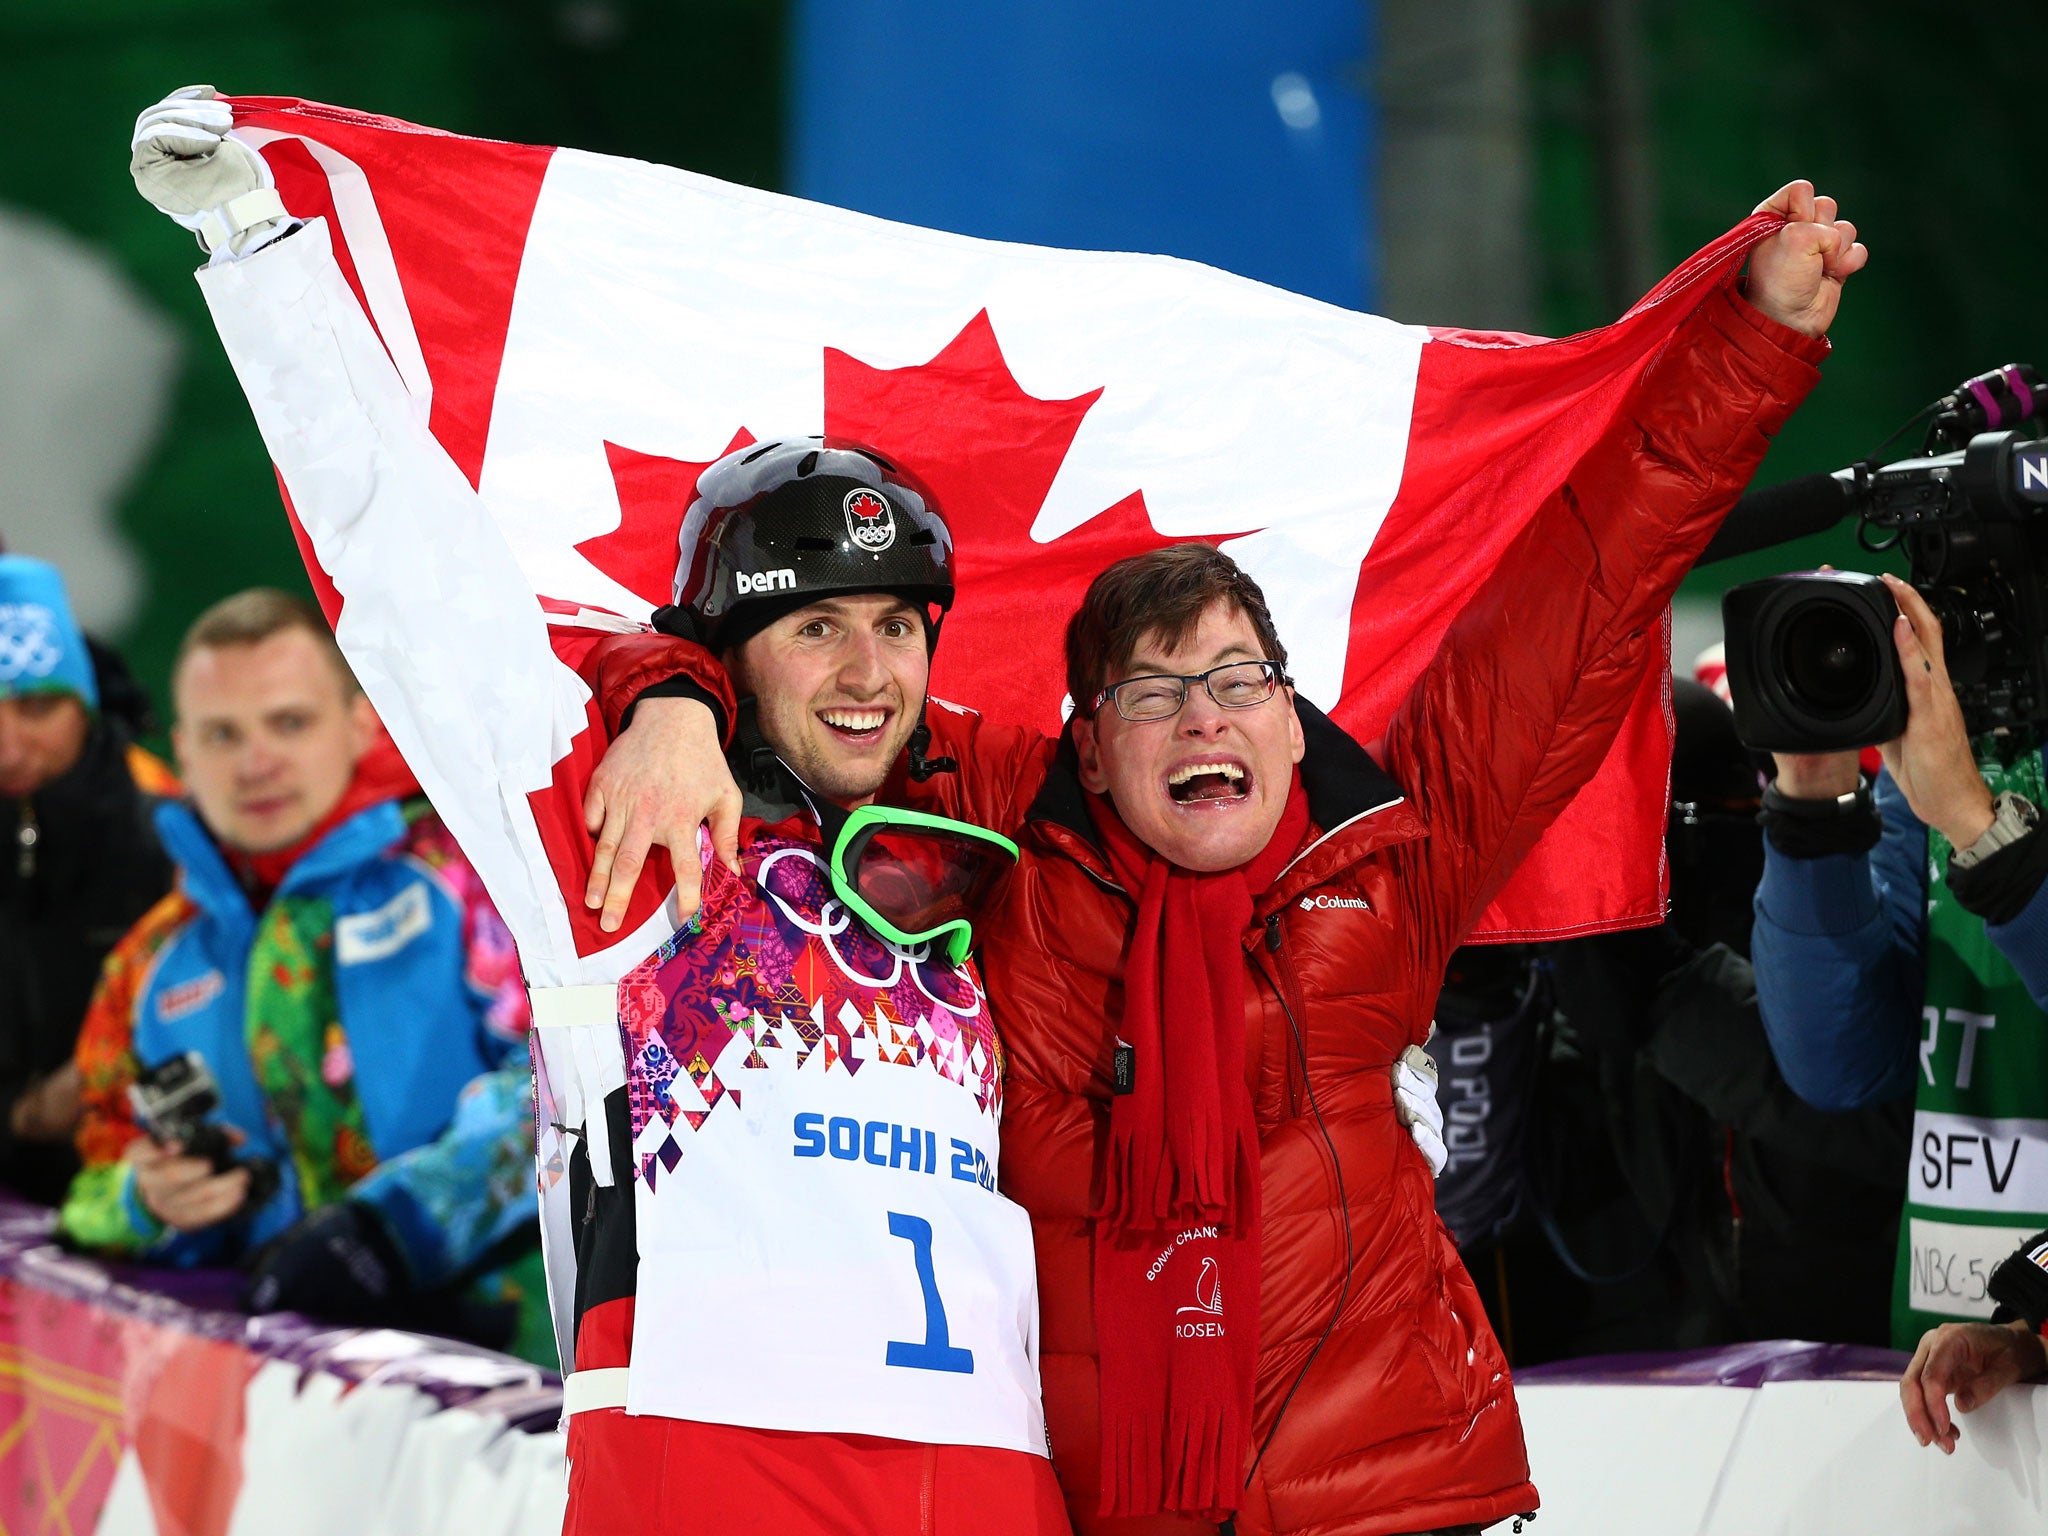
[[251, 617], [1162, 593]]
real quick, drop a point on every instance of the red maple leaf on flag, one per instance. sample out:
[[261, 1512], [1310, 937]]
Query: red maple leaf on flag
[[654, 495], [989, 452]]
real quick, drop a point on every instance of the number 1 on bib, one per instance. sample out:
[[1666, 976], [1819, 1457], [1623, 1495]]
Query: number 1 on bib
[[937, 1352]]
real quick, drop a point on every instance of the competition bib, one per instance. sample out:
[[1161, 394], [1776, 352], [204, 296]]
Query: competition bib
[[1978, 1179], [814, 1117]]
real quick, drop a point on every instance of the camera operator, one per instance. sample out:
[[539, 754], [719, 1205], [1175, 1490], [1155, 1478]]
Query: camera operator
[[1682, 1194], [1901, 947]]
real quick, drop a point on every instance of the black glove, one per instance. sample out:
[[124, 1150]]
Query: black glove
[[2020, 1284], [337, 1264]]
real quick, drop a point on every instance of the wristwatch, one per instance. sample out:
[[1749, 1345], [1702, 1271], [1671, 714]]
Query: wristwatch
[[2013, 817]]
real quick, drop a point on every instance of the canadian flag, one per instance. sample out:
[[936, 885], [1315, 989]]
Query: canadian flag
[[576, 336]]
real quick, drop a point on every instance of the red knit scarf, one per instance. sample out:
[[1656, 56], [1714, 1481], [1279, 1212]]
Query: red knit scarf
[[1177, 1237]]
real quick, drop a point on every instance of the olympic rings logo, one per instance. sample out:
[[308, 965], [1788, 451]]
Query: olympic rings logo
[[834, 919], [30, 644]]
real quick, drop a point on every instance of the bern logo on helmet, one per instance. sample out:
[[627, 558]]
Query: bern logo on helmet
[[783, 580], [870, 519]]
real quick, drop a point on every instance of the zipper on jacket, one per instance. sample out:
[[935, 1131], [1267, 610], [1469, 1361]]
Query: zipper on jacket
[[1297, 1060], [1293, 1087], [26, 835]]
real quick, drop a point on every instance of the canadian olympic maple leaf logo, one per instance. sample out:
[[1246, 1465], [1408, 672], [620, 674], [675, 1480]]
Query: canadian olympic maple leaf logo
[[989, 453], [870, 521]]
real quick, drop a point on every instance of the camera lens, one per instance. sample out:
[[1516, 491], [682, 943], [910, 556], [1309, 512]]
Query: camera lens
[[1828, 660]]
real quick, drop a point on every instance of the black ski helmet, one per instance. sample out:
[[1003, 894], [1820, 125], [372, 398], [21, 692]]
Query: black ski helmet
[[780, 524]]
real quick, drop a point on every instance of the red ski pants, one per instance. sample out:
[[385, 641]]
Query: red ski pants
[[648, 1476]]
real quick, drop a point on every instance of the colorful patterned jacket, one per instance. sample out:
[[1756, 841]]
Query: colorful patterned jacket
[[367, 1030]]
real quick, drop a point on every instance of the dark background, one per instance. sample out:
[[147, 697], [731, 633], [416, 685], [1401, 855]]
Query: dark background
[[1567, 151]]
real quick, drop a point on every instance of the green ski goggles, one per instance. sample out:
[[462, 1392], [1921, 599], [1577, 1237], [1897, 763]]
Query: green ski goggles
[[916, 878]]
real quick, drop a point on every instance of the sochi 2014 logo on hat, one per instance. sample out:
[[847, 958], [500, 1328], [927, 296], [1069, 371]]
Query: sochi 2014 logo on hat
[[30, 642], [870, 520]]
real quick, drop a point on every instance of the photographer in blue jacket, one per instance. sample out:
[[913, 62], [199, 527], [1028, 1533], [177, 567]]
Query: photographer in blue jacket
[[1901, 948]]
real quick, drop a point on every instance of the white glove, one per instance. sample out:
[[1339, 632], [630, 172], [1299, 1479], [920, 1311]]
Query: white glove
[[187, 164], [1415, 1103]]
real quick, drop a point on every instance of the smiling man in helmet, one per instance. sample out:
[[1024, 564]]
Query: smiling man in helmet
[[810, 1283]]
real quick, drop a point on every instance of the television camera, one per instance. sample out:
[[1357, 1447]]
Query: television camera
[[1811, 662]]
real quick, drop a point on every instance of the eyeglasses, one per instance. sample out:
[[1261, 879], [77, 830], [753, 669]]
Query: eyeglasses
[[1239, 685]]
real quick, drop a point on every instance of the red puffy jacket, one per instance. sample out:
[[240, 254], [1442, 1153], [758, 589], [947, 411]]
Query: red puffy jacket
[[1405, 1421]]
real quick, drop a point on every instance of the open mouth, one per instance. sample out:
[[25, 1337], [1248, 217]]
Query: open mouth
[[1220, 781], [857, 727]]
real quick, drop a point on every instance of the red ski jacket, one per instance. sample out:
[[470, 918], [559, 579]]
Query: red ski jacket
[[1405, 1419]]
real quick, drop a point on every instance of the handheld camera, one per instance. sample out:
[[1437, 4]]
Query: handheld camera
[[171, 1101]]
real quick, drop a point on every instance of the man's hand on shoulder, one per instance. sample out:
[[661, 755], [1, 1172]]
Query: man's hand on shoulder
[[1796, 275], [661, 780]]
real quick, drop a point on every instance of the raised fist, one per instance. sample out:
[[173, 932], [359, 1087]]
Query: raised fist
[[187, 165], [1796, 275]]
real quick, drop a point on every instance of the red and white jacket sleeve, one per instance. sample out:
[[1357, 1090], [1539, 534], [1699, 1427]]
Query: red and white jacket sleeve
[[489, 692], [480, 683], [1535, 677]]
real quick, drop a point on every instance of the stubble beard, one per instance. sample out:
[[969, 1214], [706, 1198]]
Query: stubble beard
[[827, 775]]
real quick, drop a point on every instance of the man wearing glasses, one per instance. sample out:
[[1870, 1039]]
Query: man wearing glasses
[[1228, 925]]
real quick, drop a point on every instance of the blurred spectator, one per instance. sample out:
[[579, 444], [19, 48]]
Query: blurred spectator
[[334, 961], [1902, 957], [1491, 1019], [1683, 1194], [79, 858]]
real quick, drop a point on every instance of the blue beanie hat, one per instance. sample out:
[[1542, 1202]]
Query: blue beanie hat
[[41, 648]]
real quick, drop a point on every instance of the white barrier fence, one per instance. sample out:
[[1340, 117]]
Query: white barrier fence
[[1814, 1458], [140, 1405], [1802, 1458]]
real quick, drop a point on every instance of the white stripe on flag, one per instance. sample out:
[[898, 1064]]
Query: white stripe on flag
[[355, 207]]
